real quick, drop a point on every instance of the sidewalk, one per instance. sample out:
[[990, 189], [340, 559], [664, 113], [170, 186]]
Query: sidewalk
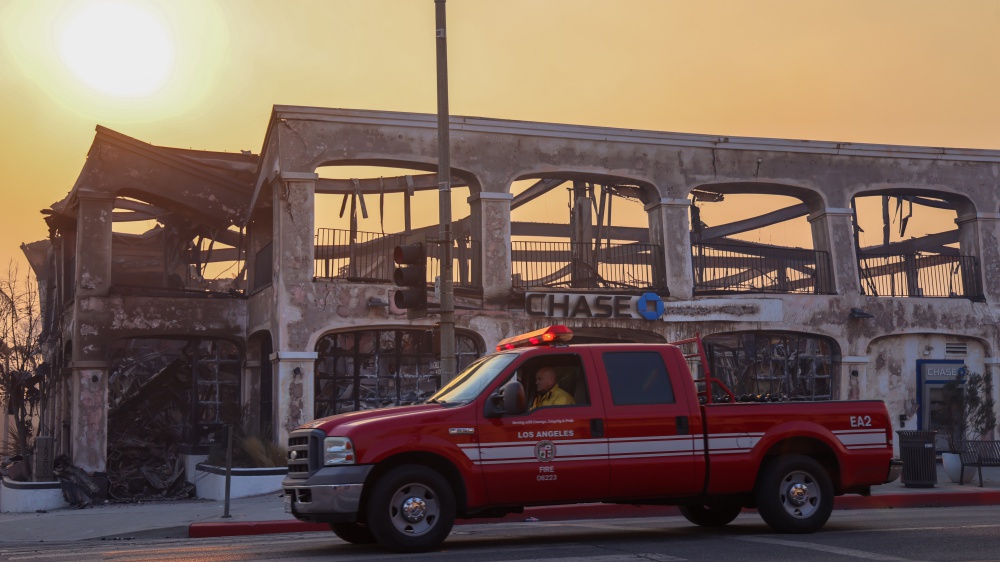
[[265, 514]]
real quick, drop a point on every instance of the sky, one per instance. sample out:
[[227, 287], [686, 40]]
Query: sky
[[204, 74]]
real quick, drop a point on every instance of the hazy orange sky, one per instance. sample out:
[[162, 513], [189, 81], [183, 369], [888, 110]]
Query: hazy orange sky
[[882, 71]]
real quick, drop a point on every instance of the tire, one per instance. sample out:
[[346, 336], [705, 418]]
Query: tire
[[794, 494], [411, 509], [715, 514], [354, 533]]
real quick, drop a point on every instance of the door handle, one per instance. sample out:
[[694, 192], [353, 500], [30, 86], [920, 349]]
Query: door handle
[[597, 427], [683, 427]]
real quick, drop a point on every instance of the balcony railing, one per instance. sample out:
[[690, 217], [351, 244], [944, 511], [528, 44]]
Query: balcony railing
[[368, 257], [733, 268], [579, 265], [915, 275], [365, 257]]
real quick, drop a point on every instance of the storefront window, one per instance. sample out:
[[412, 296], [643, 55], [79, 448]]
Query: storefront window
[[367, 369], [788, 365]]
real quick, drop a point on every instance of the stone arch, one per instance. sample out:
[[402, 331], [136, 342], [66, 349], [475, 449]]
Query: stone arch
[[609, 237], [392, 202], [916, 242], [375, 366], [902, 372], [725, 257], [787, 364]]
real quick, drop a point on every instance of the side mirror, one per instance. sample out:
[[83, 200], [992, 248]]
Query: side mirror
[[514, 401], [510, 399]]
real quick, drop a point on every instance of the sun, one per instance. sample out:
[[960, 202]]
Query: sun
[[117, 49]]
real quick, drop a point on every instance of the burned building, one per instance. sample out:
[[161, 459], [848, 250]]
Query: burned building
[[254, 288]]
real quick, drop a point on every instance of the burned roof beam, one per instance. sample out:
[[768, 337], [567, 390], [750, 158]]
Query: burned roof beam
[[634, 234], [767, 219], [539, 188], [923, 244]]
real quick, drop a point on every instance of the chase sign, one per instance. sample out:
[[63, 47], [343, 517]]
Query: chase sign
[[648, 306]]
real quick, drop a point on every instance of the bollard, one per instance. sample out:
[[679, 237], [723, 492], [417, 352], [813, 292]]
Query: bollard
[[229, 467]]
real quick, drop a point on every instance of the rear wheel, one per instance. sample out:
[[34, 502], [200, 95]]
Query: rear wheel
[[794, 494], [714, 514], [411, 509], [354, 533]]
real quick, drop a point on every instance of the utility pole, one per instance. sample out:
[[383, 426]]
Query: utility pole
[[447, 325]]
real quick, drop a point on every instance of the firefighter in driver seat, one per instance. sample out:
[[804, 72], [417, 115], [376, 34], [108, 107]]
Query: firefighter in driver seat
[[548, 391]]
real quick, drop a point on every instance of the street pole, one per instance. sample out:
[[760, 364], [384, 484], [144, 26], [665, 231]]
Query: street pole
[[447, 325]]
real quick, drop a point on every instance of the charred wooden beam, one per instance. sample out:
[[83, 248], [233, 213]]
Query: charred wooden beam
[[914, 245], [774, 217]]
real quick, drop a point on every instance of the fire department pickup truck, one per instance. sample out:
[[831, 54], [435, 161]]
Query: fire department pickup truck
[[639, 429]]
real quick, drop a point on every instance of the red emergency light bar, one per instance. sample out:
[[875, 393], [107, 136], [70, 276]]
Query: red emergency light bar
[[545, 336]]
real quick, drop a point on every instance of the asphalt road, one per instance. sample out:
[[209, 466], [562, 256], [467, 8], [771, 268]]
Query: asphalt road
[[953, 533]]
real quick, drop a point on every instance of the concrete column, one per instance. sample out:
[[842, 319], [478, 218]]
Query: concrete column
[[669, 226], [833, 233], [89, 429], [93, 243], [492, 213], [293, 391], [979, 236], [293, 256], [853, 377]]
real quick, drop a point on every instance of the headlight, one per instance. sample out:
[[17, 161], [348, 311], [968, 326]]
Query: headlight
[[338, 450]]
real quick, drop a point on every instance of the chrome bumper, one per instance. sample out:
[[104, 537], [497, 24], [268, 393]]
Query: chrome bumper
[[895, 469], [332, 492]]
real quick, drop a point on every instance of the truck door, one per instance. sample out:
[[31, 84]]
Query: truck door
[[556, 450], [654, 440]]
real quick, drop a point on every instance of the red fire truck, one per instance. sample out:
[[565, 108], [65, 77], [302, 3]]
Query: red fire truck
[[634, 427]]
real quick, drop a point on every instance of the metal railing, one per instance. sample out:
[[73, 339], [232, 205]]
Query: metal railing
[[579, 265], [465, 268], [368, 257], [916, 275], [734, 268]]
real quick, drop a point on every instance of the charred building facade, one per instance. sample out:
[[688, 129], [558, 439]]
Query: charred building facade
[[237, 299]]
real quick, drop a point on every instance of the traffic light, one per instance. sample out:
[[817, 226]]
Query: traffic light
[[411, 278]]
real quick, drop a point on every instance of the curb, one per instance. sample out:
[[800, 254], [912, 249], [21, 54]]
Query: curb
[[608, 511]]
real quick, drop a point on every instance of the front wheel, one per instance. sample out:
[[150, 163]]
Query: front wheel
[[411, 509], [716, 514], [794, 494], [354, 533]]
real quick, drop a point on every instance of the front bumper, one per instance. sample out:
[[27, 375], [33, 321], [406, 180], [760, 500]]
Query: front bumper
[[895, 469], [332, 493]]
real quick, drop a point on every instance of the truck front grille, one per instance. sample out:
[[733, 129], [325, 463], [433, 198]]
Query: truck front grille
[[304, 452]]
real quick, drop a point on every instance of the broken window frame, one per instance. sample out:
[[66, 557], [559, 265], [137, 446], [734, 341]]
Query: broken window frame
[[372, 368]]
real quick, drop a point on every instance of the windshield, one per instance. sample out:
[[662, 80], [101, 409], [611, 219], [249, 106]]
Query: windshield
[[465, 387]]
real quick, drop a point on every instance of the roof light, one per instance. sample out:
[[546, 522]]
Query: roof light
[[545, 336]]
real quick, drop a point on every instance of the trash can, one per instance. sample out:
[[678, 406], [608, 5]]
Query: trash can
[[916, 449]]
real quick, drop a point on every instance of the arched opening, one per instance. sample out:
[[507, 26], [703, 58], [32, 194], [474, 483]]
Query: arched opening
[[156, 247], [752, 238], [908, 245], [167, 397], [785, 365], [259, 385], [908, 372], [363, 212], [583, 231], [378, 367]]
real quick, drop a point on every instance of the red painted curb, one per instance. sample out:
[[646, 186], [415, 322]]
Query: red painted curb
[[216, 529], [609, 511], [936, 499]]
